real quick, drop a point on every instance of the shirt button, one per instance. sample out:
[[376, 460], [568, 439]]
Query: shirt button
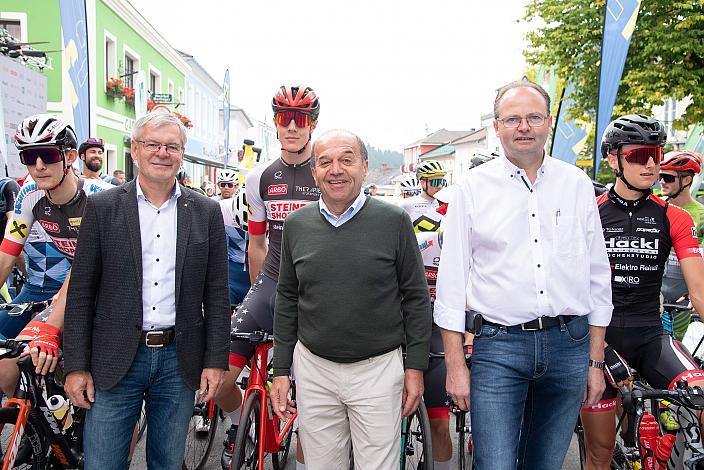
[[158, 212], [157, 260], [156, 283], [536, 240], [541, 292], [538, 265], [153, 308], [531, 190], [157, 235], [532, 215]]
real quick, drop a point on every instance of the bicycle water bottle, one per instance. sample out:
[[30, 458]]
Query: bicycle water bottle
[[649, 432], [60, 409]]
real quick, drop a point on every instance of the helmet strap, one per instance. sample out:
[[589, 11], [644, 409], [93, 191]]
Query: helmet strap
[[682, 187], [620, 175]]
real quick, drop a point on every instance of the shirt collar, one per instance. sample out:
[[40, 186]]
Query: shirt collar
[[356, 205], [512, 171], [175, 192]]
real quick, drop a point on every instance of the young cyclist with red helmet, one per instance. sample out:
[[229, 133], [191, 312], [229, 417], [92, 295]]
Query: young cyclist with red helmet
[[639, 231], [273, 190]]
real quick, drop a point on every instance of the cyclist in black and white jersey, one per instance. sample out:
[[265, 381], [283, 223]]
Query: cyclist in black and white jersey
[[54, 196], [273, 191]]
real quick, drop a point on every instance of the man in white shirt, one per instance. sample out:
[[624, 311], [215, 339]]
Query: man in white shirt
[[524, 251]]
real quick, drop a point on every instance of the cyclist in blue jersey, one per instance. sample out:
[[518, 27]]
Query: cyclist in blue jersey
[[233, 208]]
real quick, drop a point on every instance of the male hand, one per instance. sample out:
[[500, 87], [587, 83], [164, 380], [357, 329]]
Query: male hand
[[43, 347], [283, 407], [457, 385], [77, 386], [210, 381], [412, 391], [595, 386]]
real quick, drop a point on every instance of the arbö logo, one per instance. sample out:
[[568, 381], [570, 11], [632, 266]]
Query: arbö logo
[[277, 189]]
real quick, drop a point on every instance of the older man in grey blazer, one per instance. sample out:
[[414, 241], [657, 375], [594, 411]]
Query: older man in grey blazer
[[147, 314]]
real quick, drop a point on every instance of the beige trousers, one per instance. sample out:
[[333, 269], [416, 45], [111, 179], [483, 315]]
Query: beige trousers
[[361, 401]]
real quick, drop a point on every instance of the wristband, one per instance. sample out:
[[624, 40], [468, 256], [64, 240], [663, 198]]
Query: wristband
[[36, 328], [596, 364]]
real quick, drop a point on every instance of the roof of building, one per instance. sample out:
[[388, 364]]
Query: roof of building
[[442, 151], [475, 136], [439, 137]]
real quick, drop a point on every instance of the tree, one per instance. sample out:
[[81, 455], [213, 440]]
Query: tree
[[665, 59]]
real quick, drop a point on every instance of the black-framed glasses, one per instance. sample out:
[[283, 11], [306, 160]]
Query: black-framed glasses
[[227, 185], [667, 178], [533, 120], [153, 147]]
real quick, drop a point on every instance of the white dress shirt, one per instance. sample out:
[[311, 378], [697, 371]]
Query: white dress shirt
[[350, 212], [157, 229], [513, 251]]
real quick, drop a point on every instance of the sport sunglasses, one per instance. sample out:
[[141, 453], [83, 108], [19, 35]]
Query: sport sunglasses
[[435, 182], [667, 178], [47, 154], [284, 118], [226, 185], [641, 155]]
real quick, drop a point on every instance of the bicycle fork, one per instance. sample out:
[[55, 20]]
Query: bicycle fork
[[17, 433]]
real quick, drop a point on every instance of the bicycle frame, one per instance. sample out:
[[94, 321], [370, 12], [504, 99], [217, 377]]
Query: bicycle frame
[[30, 402], [269, 438]]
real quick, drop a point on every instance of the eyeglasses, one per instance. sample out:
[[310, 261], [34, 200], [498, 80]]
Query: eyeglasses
[[533, 120], [641, 155], [667, 178], [435, 182], [153, 147], [227, 185], [94, 141], [284, 118], [48, 155]]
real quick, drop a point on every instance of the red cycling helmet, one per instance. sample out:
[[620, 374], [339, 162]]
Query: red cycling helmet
[[301, 98], [682, 160]]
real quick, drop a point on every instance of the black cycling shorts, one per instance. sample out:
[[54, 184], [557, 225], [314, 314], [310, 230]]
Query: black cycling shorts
[[435, 395], [255, 314], [659, 358]]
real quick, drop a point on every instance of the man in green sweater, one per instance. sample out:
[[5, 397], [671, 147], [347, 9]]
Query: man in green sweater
[[351, 291]]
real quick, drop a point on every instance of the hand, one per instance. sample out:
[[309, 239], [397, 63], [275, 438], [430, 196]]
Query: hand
[[78, 386], [283, 407], [412, 391], [457, 385], [595, 386], [43, 347], [210, 381]]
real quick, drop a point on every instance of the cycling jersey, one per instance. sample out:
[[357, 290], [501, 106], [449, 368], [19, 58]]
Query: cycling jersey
[[46, 266], [236, 252], [274, 190], [673, 270], [61, 222], [638, 236], [422, 212]]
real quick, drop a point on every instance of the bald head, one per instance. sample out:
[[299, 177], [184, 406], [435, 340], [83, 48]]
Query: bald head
[[339, 133]]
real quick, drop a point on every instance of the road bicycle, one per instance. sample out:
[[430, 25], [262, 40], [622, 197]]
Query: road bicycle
[[260, 431], [202, 432]]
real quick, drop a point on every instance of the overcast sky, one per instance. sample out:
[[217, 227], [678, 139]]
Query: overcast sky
[[384, 69]]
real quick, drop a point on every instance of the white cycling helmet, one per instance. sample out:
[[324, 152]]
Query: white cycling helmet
[[45, 129], [228, 175], [409, 183], [241, 209]]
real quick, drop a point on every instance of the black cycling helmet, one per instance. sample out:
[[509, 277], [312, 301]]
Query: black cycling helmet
[[92, 142], [631, 129]]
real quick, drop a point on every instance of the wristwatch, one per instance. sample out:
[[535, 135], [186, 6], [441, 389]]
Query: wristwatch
[[596, 364]]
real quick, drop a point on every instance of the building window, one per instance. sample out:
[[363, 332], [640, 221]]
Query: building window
[[154, 82], [129, 71], [110, 164], [110, 70], [13, 27], [171, 90]]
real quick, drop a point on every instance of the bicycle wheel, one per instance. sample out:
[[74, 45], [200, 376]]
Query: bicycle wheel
[[280, 458], [416, 443], [247, 439], [465, 450], [202, 430], [142, 421], [33, 446]]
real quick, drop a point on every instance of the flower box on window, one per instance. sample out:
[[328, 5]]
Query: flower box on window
[[115, 88]]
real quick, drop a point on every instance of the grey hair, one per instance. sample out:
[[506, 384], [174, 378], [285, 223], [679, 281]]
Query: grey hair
[[158, 118], [360, 143], [520, 84]]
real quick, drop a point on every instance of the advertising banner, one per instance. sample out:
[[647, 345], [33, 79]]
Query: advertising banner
[[568, 138], [73, 24]]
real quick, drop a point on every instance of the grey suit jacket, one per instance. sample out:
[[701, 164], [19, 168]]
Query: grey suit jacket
[[103, 319]]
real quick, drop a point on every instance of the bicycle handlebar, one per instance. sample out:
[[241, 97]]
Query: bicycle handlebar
[[253, 337], [687, 397], [14, 348], [15, 310]]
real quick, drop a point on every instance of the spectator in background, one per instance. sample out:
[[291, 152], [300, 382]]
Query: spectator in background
[[91, 153], [8, 193], [120, 176]]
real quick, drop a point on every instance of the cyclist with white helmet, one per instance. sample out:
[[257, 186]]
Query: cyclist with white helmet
[[228, 183], [54, 196], [234, 209], [421, 208], [409, 185]]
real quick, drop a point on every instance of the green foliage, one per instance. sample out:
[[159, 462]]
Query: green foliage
[[665, 60], [377, 157]]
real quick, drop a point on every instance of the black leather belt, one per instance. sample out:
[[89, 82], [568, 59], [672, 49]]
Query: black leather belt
[[157, 338], [540, 323]]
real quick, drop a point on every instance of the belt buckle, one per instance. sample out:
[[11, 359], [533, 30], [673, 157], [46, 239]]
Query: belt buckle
[[540, 325], [146, 339]]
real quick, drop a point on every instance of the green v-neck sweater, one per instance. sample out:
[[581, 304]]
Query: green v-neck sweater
[[351, 292]]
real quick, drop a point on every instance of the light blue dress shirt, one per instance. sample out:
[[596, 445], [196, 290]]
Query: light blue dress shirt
[[336, 221]]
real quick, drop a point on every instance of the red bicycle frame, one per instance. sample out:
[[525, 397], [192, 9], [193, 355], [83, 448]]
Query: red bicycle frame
[[13, 446], [269, 438]]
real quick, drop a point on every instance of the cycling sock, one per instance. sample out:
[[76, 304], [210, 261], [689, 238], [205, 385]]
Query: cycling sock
[[442, 465], [300, 466], [235, 416]]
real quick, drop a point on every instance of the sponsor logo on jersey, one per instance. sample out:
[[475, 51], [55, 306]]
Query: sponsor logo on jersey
[[630, 280], [74, 221], [648, 230], [279, 210], [66, 246], [52, 227], [308, 190], [647, 220], [19, 230], [425, 245], [638, 246], [613, 229], [278, 175], [426, 224], [24, 192], [47, 210], [694, 232], [277, 189]]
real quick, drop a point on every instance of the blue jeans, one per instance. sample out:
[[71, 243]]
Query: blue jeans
[[11, 326], [527, 386], [154, 377]]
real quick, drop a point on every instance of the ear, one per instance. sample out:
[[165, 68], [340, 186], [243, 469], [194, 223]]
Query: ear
[[71, 157], [496, 127], [313, 125], [613, 161]]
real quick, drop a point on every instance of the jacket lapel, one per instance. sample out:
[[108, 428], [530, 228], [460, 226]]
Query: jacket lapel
[[183, 230], [129, 201]]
